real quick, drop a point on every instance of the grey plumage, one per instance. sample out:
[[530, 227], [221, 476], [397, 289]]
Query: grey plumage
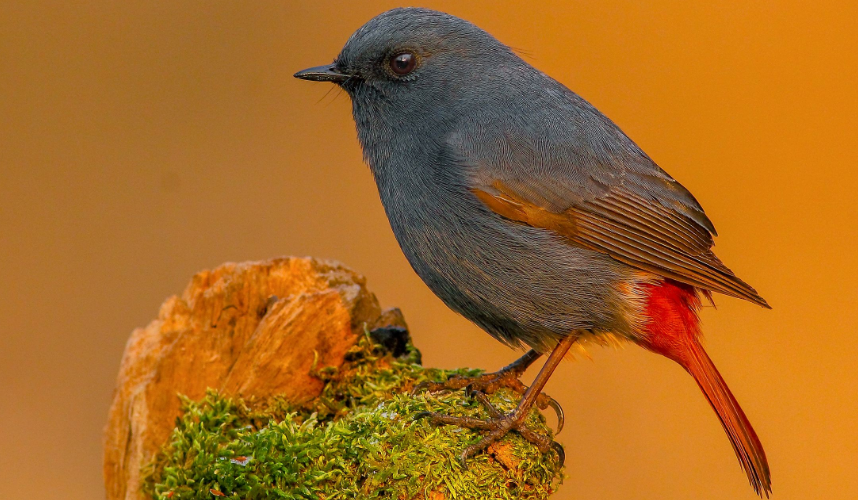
[[527, 210], [474, 112]]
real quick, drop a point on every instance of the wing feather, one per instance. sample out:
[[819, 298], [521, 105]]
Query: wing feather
[[632, 230]]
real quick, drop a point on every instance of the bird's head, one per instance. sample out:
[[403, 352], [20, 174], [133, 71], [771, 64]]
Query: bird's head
[[412, 64]]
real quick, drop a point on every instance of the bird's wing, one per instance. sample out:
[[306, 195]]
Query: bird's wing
[[633, 211]]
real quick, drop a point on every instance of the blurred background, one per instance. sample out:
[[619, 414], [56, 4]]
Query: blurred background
[[141, 142]]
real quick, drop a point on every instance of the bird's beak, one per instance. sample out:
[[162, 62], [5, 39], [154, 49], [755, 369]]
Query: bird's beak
[[326, 73]]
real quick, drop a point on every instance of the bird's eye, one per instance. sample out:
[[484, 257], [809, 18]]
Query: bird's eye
[[402, 64]]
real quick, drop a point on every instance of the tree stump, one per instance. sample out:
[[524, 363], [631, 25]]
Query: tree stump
[[285, 379]]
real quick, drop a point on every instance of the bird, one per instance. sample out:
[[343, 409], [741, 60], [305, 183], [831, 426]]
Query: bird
[[530, 213]]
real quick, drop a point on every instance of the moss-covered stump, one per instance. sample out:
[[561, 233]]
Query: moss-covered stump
[[358, 439], [249, 330]]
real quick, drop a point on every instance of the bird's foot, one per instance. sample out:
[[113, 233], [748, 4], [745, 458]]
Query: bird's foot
[[495, 428], [489, 383]]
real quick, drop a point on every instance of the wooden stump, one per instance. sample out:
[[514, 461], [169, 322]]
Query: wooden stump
[[282, 350], [250, 329]]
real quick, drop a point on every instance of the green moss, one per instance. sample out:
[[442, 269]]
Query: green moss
[[358, 440]]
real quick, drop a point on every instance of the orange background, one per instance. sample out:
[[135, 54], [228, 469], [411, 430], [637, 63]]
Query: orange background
[[143, 141]]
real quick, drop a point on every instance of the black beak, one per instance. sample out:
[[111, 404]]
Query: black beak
[[322, 74]]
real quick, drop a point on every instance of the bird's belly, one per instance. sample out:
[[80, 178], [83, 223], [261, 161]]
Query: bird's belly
[[521, 284]]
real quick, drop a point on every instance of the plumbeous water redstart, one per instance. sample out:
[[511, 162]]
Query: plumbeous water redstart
[[530, 213]]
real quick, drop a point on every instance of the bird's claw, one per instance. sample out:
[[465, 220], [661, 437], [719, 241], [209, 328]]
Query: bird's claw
[[561, 453], [470, 391], [463, 460], [422, 386], [558, 410], [421, 415]]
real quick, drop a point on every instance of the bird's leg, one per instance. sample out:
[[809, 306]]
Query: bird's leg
[[498, 425], [489, 383]]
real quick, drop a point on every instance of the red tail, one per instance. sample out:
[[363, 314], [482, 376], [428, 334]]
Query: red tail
[[672, 330]]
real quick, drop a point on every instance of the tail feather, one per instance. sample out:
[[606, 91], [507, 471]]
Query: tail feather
[[672, 330], [745, 442]]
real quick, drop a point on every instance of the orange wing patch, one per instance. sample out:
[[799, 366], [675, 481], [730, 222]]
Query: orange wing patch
[[507, 204]]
